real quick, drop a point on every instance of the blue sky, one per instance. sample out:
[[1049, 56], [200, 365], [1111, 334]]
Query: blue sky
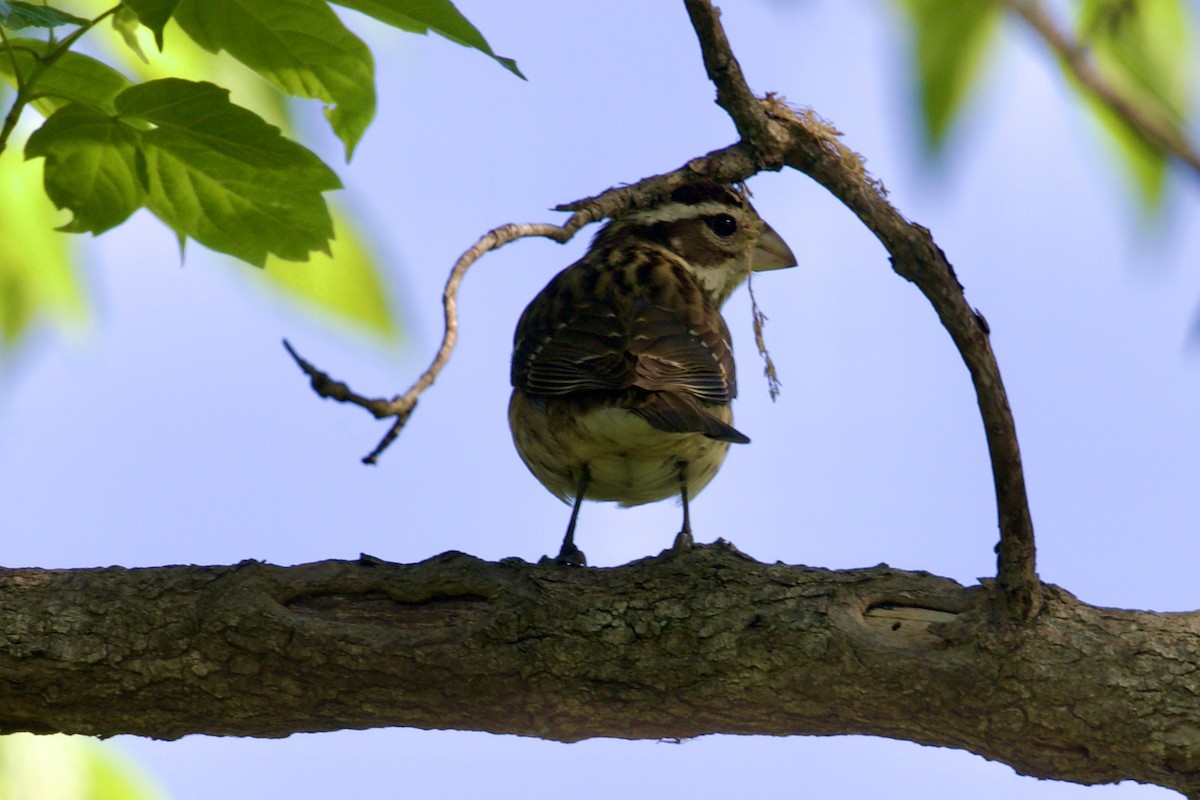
[[176, 430]]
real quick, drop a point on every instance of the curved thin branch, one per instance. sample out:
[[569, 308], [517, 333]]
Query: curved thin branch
[[815, 150], [402, 405], [813, 147]]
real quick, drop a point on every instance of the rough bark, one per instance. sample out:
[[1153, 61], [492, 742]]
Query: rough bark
[[710, 641]]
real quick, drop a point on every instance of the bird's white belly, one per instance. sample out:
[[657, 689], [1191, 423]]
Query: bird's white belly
[[627, 459]]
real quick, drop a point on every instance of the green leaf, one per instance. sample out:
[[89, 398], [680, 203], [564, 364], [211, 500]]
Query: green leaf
[[300, 46], [126, 23], [345, 285], [74, 77], [1145, 164], [1145, 47], [422, 16], [37, 277], [16, 15], [154, 14], [1143, 50], [68, 768], [951, 40], [222, 176], [93, 167]]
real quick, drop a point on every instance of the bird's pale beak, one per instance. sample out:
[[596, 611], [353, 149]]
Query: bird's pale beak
[[771, 252]]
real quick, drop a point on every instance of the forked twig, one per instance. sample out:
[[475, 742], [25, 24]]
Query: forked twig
[[402, 405]]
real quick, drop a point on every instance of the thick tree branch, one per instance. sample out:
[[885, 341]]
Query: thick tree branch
[[668, 647]]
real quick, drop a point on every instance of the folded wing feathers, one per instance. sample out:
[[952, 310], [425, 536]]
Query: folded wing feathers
[[678, 413], [655, 353], [678, 356]]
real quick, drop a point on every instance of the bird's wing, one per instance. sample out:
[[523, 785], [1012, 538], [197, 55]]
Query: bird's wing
[[654, 341], [679, 413], [610, 328], [682, 349], [578, 349]]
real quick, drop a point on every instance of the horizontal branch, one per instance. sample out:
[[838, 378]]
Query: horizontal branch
[[708, 641]]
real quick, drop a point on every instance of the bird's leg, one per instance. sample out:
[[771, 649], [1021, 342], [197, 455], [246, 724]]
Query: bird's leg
[[569, 555], [683, 540]]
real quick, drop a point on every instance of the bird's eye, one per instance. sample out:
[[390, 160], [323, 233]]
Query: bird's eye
[[722, 225]]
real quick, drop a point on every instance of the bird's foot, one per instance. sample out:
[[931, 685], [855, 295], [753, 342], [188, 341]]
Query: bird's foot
[[568, 556], [683, 542]]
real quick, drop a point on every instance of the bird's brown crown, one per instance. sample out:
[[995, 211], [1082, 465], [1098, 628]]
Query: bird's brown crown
[[711, 229]]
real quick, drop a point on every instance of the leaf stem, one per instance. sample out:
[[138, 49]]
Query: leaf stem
[[12, 56], [25, 84]]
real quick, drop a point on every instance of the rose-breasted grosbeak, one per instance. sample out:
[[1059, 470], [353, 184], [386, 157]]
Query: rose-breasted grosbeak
[[622, 366]]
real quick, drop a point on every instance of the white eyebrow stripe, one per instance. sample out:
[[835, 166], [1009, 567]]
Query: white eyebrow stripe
[[677, 211]]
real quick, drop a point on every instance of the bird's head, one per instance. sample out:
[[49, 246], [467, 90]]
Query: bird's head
[[715, 232]]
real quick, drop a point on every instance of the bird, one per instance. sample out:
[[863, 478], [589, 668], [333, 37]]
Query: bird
[[622, 366]]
